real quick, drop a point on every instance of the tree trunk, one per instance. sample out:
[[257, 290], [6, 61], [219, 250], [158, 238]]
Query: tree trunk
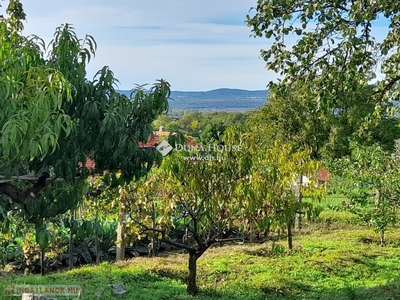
[[97, 247], [96, 238], [289, 235], [42, 265], [120, 247], [382, 237], [297, 224], [377, 203], [250, 230], [192, 277], [71, 245]]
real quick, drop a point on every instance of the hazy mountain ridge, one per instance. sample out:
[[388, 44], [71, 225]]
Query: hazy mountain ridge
[[223, 99]]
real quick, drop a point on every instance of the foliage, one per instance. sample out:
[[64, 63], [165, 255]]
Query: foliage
[[197, 124], [271, 193], [204, 193], [293, 119], [32, 93], [84, 233], [52, 119], [10, 251], [371, 183], [197, 194], [296, 116], [101, 209], [212, 133], [146, 208], [336, 49], [283, 140], [328, 57]]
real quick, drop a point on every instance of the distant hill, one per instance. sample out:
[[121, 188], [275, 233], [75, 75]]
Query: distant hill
[[217, 100]]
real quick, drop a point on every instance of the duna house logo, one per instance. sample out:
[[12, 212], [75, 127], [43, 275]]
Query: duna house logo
[[164, 148]]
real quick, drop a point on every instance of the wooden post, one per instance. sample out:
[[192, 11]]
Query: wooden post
[[42, 263], [96, 238], [71, 243], [299, 200], [120, 247]]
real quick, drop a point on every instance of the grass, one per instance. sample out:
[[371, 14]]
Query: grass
[[331, 260], [328, 264], [329, 216]]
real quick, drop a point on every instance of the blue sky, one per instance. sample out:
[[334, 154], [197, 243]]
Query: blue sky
[[195, 45]]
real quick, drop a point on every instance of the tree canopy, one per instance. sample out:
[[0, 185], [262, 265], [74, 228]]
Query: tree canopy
[[336, 48], [53, 118], [334, 64], [197, 193]]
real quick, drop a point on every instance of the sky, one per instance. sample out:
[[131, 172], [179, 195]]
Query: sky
[[196, 45]]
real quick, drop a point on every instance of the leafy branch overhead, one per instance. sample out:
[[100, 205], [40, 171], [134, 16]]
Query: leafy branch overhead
[[53, 118], [334, 44]]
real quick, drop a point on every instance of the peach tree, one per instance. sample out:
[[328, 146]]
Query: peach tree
[[53, 118]]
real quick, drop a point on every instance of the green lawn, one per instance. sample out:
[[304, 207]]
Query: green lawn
[[329, 215], [326, 264], [334, 258]]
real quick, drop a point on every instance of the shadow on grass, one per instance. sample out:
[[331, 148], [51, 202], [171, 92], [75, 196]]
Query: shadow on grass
[[296, 291], [147, 285], [389, 291], [323, 274]]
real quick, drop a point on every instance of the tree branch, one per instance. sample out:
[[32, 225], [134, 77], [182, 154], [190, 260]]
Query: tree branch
[[168, 241], [20, 196], [228, 240], [179, 245], [387, 87]]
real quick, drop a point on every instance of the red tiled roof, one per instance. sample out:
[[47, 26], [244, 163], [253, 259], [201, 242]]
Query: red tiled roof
[[152, 142], [322, 175]]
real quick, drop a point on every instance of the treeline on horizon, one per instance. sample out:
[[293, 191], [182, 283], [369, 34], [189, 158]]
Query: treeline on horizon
[[288, 118], [204, 127]]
